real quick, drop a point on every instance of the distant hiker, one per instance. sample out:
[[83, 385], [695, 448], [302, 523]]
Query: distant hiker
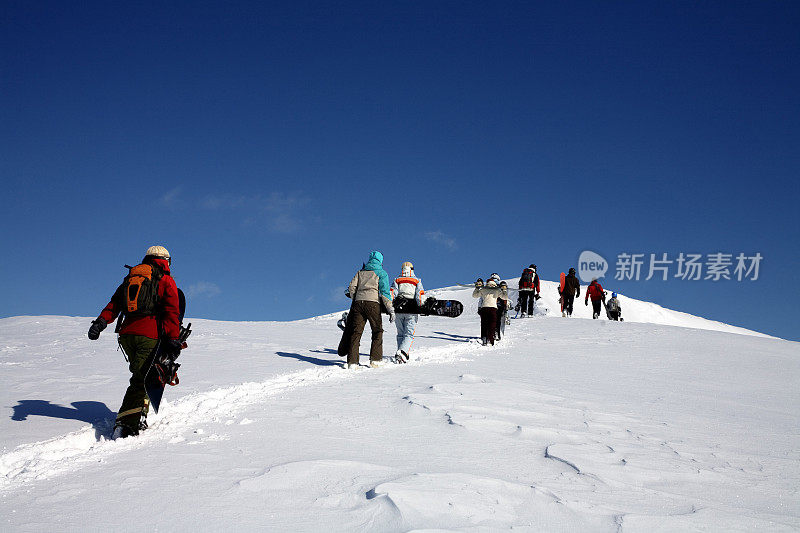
[[503, 303], [613, 308], [598, 297], [149, 302], [528, 291], [488, 308], [572, 289], [407, 297], [369, 288]]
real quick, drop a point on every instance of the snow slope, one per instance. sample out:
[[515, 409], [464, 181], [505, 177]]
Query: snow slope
[[566, 425]]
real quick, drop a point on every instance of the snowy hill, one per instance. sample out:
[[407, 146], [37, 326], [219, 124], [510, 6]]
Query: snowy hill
[[566, 425]]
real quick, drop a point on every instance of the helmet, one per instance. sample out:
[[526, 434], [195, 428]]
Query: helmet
[[571, 270], [406, 268], [157, 251], [613, 294], [532, 266], [491, 282], [503, 284], [495, 277]]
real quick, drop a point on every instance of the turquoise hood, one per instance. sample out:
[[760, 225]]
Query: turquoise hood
[[375, 264], [375, 260]]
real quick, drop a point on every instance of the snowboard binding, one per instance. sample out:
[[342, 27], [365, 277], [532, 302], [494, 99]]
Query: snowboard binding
[[165, 366]]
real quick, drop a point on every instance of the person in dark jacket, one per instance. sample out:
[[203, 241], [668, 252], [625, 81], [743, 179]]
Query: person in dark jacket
[[595, 292], [139, 335], [502, 311], [572, 290]]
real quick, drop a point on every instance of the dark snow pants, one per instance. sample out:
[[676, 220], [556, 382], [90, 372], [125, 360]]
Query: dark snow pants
[[362, 312], [596, 307], [488, 323], [135, 404], [526, 301], [569, 299], [501, 315]]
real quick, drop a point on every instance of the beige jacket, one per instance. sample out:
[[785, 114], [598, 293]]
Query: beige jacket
[[490, 296], [364, 286]]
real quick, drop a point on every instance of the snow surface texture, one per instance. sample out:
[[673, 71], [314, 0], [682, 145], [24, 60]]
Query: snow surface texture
[[565, 425]]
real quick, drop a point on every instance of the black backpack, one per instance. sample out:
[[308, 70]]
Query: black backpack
[[526, 280]]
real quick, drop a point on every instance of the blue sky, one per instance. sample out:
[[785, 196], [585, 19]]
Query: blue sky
[[271, 146]]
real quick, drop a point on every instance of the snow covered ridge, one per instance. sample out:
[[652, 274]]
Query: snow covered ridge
[[632, 310]]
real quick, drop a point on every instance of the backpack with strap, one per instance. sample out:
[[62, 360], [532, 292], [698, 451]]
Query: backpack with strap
[[140, 290], [526, 280]]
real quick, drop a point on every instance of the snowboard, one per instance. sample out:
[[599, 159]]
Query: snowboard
[[162, 370], [431, 307], [561, 291], [448, 308]]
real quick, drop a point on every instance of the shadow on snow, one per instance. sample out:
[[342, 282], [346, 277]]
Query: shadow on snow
[[448, 337], [309, 359], [95, 413]]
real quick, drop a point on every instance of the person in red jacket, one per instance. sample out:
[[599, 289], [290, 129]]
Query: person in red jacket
[[139, 333], [595, 292], [528, 291]]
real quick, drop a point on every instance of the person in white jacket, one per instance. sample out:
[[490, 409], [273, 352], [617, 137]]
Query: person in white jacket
[[488, 295], [408, 296]]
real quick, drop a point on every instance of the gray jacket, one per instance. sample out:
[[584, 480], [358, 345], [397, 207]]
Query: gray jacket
[[365, 286]]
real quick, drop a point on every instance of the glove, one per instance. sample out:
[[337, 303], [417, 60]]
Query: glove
[[347, 292], [391, 318], [96, 327], [172, 347], [586, 302]]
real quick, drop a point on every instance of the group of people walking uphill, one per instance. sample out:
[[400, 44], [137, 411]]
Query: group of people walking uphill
[[371, 294], [594, 292], [150, 309]]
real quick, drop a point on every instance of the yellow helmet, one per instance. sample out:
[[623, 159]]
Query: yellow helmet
[[406, 268]]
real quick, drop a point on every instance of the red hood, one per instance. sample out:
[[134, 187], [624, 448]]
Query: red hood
[[162, 263]]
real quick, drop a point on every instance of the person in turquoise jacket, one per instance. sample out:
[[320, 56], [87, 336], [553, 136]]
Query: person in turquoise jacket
[[375, 264], [368, 289]]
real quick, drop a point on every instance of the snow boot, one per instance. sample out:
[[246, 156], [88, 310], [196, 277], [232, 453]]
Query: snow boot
[[122, 431], [401, 356], [375, 364]]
